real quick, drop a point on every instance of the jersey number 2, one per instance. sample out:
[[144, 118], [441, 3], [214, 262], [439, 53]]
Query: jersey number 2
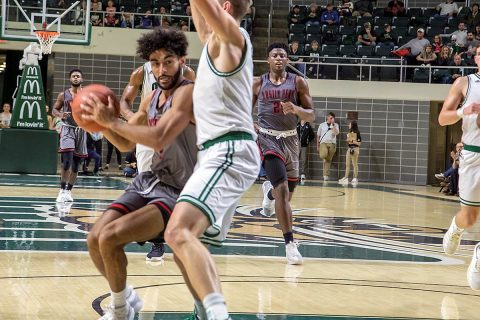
[[277, 107]]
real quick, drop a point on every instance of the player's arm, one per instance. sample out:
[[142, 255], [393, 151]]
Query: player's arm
[[188, 73], [203, 29], [57, 106], [449, 114], [130, 92], [305, 111], [257, 84], [220, 22]]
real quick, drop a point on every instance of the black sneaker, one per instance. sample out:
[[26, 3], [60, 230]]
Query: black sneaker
[[156, 253]]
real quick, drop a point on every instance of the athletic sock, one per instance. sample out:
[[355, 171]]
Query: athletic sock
[[119, 299], [457, 229], [270, 195], [200, 312], [69, 186], [215, 306], [288, 237], [63, 185]]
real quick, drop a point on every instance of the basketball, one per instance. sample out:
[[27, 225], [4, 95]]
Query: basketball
[[102, 92]]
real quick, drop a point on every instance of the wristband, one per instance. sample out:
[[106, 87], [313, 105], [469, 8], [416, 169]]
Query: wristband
[[460, 113]]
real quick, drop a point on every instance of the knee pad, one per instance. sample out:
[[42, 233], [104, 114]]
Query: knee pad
[[276, 170]]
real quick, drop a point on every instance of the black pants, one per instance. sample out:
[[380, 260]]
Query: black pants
[[110, 151], [454, 181]]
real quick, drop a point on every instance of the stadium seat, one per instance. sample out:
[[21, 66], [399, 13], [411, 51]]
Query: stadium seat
[[401, 21], [440, 22], [365, 51], [297, 28], [314, 29], [347, 51]]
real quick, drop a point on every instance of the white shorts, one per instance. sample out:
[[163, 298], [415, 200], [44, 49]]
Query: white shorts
[[144, 156], [469, 178], [224, 171]]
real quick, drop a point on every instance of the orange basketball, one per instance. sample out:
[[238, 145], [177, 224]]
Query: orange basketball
[[102, 92]]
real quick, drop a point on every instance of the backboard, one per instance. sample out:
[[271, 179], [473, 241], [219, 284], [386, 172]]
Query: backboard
[[20, 18]]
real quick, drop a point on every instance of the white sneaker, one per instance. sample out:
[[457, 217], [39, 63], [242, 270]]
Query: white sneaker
[[451, 239], [344, 180], [267, 204], [61, 196], [68, 196], [473, 273], [302, 179], [354, 181], [293, 255], [134, 300], [125, 312], [439, 176], [325, 178]]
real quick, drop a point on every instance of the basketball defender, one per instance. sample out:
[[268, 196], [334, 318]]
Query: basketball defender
[[142, 79], [228, 160], [466, 89], [283, 99], [73, 139], [143, 211]]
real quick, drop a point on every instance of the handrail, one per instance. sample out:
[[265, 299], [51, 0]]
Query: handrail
[[270, 13]]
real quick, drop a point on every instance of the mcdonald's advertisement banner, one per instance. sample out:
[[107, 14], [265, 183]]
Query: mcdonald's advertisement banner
[[29, 110]]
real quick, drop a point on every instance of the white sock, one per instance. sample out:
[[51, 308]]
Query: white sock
[[457, 229], [215, 306], [119, 299], [129, 291], [200, 310]]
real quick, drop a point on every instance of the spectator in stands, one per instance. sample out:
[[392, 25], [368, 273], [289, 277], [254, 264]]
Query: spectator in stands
[[416, 46], [443, 60], [447, 9], [111, 19], [452, 172], [295, 16], [146, 21], [427, 57], [362, 8], [295, 54], [366, 36], [96, 19], [460, 35], [80, 12], [473, 18], [345, 8], [162, 10], [458, 71], [165, 23], [126, 20], [476, 32], [387, 37], [111, 7], [330, 17], [305, 135], [471, 44], [185, 28], [247, 21], [97, 5], [61, 4], [395, 8], [437, 43], [314, 53], [130, 170], [313, 16], [6, 116]]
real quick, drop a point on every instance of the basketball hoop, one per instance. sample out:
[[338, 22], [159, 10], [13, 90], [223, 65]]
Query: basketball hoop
[[46, 39]]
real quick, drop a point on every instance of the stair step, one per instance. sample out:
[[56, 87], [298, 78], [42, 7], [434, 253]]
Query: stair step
[[276, 23], [275, 32]]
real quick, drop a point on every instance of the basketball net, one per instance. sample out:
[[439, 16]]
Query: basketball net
[[46, 39]]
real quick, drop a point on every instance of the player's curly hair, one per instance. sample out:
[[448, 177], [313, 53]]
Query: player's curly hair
[[172, 40], [277, 45]]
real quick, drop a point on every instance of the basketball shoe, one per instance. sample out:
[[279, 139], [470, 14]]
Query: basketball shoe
[[134, 300], [68, 196], [267, 204], [473, 274], [124, 312], [157, 252], [452, 238], [61, 195], [293, 255], [344, 180], [354, 181]]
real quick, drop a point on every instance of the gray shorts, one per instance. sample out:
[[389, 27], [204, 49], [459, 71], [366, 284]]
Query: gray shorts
[[73, 139], [287, 149], [144, 190]]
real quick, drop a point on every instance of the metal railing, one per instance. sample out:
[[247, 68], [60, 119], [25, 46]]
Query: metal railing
[[270, 14]]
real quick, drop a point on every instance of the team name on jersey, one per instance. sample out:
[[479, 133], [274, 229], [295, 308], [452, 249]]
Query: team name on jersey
[[279, 94]]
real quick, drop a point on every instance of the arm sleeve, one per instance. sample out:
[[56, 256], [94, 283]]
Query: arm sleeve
[[359, 137]]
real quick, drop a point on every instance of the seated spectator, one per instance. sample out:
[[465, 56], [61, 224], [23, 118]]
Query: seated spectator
[[416, 46], [471, 44], [295, 54], [362, 8], [247, 22], [111, 18], [313, 16], [96, 19], [314, 53], [61, 4], [366, 36], [330, 16], [345, 8], [80, 12], [395, 8], [6, 116], [427, 57], [476, 32], [165, 23], [459, 37], [146, 21], [452, 173], [473, 18], [295, 16], [96, 5], [457, 72], [126, 20], [437, 43], [443, 60], [130, 169], [184, 28], [447, 9], [387, 37]]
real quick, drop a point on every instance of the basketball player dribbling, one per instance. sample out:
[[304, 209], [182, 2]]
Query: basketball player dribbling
[[283, 99], [466, 91], [228, 160], [142, 79], [141, 214], [73, 139]]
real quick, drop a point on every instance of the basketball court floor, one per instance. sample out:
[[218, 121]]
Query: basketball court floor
[[372, 252]]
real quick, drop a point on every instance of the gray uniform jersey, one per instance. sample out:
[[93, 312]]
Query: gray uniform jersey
[[270, 113], [72, 137], [174, 164]]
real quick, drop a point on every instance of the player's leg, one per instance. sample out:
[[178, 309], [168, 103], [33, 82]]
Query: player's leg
[[323, 153], [355, 155], [109, 154], [119, 158]]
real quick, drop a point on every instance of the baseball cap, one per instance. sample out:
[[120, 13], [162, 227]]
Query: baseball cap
[[420, 30]]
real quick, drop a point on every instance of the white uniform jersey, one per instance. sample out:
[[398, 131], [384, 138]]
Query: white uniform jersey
[[223, 100], [471, 132], [149, 82]]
